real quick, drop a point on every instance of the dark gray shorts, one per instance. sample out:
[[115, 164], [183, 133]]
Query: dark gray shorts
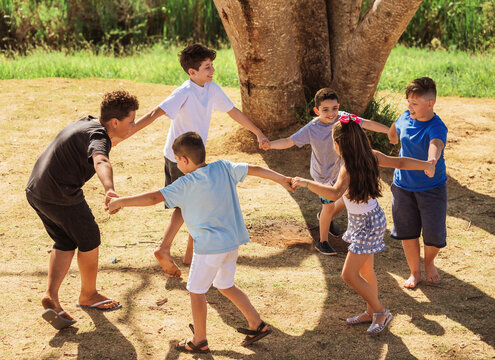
[[172, 173], [71, 226], [426, 210]]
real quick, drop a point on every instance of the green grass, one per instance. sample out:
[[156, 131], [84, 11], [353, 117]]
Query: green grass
[[154, 65], [456, 73]]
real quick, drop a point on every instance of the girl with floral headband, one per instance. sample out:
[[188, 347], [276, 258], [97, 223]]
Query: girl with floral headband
[[359, 186]]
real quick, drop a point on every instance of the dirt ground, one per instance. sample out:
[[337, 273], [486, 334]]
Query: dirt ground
[[299, 292]]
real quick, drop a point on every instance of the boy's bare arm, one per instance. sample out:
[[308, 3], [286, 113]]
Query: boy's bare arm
[[243, 120], [435, 150], [145, 199], [104, 170], [375, 126], [141, 123], [328, 192], [393, 137], [405, 163], [266, 173], [281, 143]]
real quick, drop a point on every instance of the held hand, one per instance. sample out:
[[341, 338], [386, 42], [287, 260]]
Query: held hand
[[112, 206], [287, 184], [263, 141], [298, 182], [110, 194], [266, 145], [430, 172]]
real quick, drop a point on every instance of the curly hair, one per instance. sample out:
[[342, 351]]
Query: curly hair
[[117, 104], [193, 55], [359, 160]]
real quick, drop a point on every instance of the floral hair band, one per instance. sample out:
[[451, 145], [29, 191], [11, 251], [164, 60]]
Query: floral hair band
[[350, 117]]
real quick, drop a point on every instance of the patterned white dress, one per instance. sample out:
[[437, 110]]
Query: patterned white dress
[[366, 227]]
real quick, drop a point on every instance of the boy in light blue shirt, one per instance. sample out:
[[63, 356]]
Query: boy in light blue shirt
[[207, 196]]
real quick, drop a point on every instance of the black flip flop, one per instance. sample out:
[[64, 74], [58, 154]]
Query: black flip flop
[[56, 319], [256, 335]]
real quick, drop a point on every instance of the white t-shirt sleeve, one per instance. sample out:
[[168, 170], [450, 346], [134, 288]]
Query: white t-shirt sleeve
[[174, 102], [221, 101]]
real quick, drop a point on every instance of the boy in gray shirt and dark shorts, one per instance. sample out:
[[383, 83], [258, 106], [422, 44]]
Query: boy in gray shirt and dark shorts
[[325, 162]]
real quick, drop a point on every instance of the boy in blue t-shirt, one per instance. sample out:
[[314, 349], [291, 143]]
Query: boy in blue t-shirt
[[207, 196], [420, 202]]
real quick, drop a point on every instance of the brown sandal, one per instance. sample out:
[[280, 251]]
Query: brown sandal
[[256, 335], [195, 349]]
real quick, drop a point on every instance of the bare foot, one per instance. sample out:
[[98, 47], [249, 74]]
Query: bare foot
[[431, 273], [96, 298], [167, 263], [48, 303], [414, 279]]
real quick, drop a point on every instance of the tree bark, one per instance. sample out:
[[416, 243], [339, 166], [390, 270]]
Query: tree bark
[[288, 49]]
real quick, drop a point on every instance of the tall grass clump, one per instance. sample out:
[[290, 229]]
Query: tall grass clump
[[117, 25], [454, 24], [450, 24]]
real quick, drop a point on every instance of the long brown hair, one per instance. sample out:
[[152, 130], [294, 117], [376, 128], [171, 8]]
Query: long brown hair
[[360, 162]]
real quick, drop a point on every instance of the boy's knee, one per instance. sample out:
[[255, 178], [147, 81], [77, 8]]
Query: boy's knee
[[224, 292]]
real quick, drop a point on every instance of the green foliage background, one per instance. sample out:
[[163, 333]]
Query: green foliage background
[[123, 25]]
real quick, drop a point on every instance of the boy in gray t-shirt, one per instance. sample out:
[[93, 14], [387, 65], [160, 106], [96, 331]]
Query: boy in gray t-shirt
[[325, 162]]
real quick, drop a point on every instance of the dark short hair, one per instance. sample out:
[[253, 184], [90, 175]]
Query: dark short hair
[[193, 55], [117, 104], [421, 87], [190, 145], [325, 94]]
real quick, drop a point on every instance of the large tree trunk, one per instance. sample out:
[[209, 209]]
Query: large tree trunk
[[287, 49]]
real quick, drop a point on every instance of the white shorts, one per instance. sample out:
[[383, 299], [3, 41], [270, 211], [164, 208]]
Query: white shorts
[[206, 269]]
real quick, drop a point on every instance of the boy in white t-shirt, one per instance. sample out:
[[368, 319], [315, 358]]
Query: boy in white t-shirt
[[208, 198], [190, 107]]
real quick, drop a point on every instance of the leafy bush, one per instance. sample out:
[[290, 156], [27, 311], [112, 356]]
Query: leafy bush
[[455, 24], [116, 25]]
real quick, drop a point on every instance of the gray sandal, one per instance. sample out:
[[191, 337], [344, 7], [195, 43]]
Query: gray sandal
[[378, 328], [357, 319]]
